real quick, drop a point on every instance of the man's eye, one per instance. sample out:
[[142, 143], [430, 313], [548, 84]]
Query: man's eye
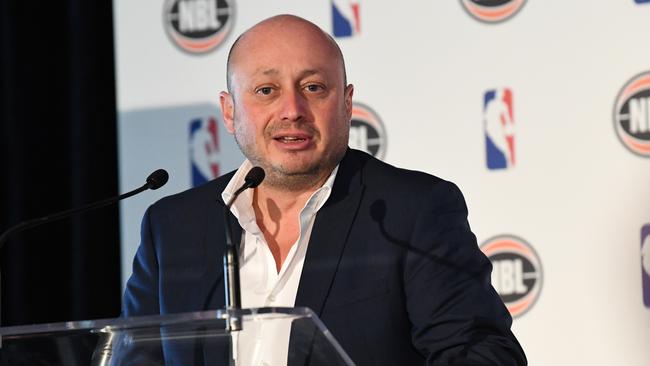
[[265, 90], [314, 87]]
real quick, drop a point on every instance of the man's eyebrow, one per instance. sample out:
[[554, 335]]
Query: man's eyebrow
[[309, 72], [303, 74], [270, 72]]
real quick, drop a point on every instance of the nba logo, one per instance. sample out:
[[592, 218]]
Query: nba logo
[[499, 123], [645, 263], [204, 150], [345, 18]]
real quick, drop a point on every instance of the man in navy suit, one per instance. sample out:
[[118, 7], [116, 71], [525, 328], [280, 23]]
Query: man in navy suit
[[384, 256]]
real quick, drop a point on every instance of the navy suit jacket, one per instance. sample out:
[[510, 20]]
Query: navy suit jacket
[[392, 268]]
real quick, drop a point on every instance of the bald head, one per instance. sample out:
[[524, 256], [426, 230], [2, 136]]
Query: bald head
[[288, 103], [285, 27]]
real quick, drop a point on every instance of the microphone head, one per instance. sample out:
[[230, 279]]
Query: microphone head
[[254, 177], [157, 179]]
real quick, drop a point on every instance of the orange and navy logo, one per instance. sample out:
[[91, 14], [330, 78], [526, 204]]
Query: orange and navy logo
[[516, 272], [492, 11], [367, 132], [198, 26], [632, 115]]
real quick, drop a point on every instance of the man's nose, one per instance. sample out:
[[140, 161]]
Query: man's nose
[[294, 106]]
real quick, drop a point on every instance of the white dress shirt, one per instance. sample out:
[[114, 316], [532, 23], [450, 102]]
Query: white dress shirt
[[261, 284]]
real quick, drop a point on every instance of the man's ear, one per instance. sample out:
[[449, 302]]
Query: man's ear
[[227, 111], [349, 91]]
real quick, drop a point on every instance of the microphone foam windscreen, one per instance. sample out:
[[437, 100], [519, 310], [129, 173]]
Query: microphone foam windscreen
[[254, 177], [157, 179]]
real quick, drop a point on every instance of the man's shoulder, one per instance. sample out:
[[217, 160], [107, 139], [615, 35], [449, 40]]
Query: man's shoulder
[[378, 173]]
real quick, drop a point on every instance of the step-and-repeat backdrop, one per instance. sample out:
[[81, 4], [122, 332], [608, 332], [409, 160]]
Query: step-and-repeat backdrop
[[538, 110]]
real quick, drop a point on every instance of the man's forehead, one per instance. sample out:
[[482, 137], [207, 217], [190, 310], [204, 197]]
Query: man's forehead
[[273, 36], [264, 74], [297, 73], [284, 24], [277, 72], [284, 34]]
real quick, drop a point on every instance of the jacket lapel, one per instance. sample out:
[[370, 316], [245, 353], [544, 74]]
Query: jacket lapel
[[329, 236]]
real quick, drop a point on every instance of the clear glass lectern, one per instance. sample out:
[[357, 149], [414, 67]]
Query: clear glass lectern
[[270, 336]]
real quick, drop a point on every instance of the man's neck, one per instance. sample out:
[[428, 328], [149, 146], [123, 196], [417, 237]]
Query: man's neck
[[277, 213], [287, 192], [272, 201]]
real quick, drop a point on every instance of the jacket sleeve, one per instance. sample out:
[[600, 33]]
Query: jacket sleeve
[[140, 298], [141, 294], [457, 317]]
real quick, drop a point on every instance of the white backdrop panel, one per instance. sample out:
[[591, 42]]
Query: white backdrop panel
[[576, 194]]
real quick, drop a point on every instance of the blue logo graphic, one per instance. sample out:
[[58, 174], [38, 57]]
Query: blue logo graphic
[[204, 150], [345, 18], [499, 124], [641, 1]]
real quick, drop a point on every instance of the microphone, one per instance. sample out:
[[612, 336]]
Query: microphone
[[155, 180], [253, 179], [232, 287]]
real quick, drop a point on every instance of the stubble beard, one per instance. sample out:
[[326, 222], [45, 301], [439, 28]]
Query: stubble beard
[[279, 177]]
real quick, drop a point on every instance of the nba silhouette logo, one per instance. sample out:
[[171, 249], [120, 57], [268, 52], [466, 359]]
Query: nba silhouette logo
[[204, 150], [345, 18], [499, 123], [645, 263]]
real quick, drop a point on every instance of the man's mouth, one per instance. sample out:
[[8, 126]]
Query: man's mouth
[[290, 139], [295, 141]]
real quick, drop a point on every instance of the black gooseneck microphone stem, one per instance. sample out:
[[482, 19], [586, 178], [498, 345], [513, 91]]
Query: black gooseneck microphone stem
[[231, 255], [155, 180], [231, 268], [63, 214], [231, 277]]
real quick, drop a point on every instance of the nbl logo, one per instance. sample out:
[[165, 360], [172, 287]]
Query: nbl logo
[[645, 263], [632, 115], [345, 18], [492, 11], [198, 26], [204, 150], [367, 132], [516, 272], [499, 124]]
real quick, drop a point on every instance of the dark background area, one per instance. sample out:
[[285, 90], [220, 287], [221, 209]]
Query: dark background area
[[58, 150]]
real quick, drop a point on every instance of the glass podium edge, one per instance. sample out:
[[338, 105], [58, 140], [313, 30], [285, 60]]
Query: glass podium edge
[[151, 320]]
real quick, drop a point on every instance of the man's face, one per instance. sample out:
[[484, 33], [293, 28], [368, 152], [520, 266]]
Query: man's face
[[289, 109]]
